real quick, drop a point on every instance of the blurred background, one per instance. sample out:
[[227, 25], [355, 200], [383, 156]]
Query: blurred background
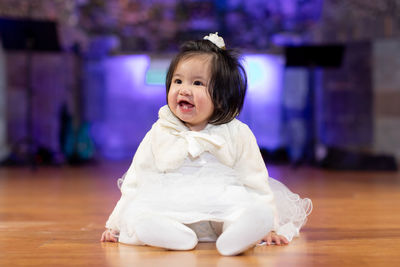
[[81, 81]]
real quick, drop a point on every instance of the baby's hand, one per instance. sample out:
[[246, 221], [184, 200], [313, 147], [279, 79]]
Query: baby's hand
[[273, 237], [109, 236]]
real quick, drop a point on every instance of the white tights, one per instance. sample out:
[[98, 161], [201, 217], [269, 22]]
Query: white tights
[[251, 226]]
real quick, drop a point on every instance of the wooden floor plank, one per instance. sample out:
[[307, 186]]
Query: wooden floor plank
[[54, 217]]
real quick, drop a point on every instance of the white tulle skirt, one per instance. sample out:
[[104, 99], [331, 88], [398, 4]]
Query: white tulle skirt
[[292, 209], [206, 190]]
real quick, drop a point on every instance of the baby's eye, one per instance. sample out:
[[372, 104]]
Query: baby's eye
[[198, 83], [178, 81]]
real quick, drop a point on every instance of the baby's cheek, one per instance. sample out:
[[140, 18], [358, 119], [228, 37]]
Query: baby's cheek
[[171, 95]]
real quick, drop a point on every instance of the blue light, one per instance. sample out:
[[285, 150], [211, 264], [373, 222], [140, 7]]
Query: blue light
[[256, 70], [157, 71], [264, 74], [262, 107], [133, 100]]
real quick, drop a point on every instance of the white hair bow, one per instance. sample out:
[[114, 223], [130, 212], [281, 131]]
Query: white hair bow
[[215, 39]]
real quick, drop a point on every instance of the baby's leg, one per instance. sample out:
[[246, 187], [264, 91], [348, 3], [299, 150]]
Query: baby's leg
[[252, 225], [130, 239], [163, 232]]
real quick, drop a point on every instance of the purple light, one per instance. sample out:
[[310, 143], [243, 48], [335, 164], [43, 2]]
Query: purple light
[[262, 108], [132, 104]]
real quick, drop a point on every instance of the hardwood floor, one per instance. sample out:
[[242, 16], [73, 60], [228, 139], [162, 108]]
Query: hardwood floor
[[55, 216]]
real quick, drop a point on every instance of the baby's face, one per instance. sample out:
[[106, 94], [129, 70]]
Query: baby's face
[[188, 96]]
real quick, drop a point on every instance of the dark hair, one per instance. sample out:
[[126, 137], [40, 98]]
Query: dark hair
[[228, 82]]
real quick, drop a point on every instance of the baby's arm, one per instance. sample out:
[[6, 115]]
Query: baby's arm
[[109, 236], [128, 190], [251, 168]]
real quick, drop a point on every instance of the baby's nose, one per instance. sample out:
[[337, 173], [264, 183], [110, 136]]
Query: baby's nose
[[185, 91]]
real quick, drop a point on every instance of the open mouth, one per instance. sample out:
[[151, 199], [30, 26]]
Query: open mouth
[[185, 104]]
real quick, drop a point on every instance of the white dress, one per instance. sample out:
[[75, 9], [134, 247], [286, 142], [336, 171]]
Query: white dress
[[211, 175]]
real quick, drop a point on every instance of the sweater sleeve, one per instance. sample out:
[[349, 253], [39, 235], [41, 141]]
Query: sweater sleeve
[[142, 161], [251, 167]]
